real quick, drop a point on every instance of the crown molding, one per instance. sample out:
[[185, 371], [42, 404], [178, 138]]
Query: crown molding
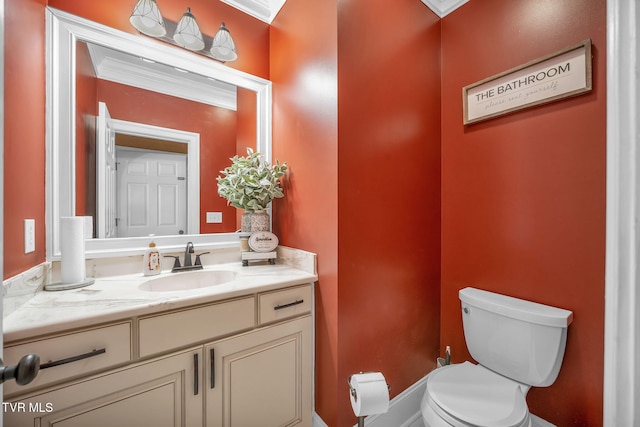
[[264, 10], [443, 7], [127, 69]]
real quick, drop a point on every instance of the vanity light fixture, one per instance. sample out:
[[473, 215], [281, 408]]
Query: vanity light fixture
[[223, 47], [188, 33], [147, 19]]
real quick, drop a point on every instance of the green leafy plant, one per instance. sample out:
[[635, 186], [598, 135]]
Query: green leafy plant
[[250, 183]]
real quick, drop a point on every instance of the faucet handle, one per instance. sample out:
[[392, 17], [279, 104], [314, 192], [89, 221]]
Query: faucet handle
[[198, 258], [176, 262]]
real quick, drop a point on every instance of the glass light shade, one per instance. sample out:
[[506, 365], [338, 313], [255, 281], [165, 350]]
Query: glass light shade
[[188, 33], [223, 48], [147, 19]]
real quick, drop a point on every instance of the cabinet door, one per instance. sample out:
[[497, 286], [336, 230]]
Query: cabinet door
[[160, 393], [261, 378]]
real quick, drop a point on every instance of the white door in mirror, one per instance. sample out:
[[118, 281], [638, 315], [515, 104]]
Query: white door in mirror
[[263, 241]]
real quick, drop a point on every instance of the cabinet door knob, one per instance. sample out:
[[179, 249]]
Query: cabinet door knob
[[24, 372]]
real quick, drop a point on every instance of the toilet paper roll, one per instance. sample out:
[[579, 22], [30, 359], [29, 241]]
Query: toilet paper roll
[[72, 263], [369, 394]]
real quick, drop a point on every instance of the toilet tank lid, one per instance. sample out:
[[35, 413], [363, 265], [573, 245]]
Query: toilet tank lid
[[516, 308]]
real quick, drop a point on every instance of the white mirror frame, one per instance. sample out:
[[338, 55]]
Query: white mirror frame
[[63, 30]]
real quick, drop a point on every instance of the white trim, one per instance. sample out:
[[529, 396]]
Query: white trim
[[316, 421], [443, 7], [121, 67], [264, 10], [63, 30], [404, 409], [621, 356]]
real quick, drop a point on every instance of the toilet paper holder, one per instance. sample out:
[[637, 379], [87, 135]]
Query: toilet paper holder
[[354, 393]]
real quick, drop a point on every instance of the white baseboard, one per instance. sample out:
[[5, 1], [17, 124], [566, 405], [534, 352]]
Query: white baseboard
[[404, 409], [316, 421]]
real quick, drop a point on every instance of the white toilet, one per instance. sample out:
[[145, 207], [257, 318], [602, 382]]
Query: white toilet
[[518, 344]]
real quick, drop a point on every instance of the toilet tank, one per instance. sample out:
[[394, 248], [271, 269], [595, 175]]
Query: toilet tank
[[519, 339]]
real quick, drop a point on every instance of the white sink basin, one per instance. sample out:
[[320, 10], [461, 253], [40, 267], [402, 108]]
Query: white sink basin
[[188, 281]]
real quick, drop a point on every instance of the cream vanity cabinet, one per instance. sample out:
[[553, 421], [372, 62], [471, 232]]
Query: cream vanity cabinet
[[154, 393], [242, 362]]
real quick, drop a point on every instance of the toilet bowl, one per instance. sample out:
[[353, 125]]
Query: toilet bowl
[[468, 395], [517, 344]]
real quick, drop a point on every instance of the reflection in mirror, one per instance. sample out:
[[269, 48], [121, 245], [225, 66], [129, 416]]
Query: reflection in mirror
[[161, 97], [124, 96]]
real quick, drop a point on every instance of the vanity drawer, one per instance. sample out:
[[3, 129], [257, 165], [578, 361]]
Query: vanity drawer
[[282, 304], [186, 327], [71, 355]]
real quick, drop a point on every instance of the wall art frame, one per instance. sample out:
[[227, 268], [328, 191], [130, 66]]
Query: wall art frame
[[556, 76]]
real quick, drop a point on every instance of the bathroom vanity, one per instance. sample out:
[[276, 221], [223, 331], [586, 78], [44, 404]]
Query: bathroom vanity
[[234, 354]]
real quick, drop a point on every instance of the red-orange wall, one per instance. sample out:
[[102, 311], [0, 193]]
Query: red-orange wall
[[388, 193], [305, 134], [523, 195], [365, 195], [24, 132]]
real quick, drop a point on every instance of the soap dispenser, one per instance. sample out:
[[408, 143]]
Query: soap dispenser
[[151, 264]]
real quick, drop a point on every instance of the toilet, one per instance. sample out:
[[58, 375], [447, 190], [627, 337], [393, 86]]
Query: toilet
[[518, 344]]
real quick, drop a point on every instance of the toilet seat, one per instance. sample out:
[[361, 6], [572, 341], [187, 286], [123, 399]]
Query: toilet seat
[[467, 395]]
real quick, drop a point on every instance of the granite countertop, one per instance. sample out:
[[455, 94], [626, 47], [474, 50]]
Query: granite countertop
[[118, 297]]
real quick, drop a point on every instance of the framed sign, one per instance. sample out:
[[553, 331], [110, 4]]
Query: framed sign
[[560, 75]]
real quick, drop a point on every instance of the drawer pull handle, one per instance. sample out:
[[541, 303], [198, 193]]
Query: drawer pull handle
[[195, 374], [93, 353], [212, 354], [291, 304]]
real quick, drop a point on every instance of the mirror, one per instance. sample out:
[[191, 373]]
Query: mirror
[[224, 92]]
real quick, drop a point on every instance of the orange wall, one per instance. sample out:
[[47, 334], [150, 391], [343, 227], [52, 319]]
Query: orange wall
[[378, 263], [305, 134], [522, 200], [523, 195], [24, 132], [388, 193]]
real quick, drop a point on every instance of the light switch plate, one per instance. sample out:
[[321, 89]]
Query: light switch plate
[[214, 217], [29, 235]]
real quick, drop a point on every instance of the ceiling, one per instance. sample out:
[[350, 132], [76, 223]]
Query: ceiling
[[266, 10]]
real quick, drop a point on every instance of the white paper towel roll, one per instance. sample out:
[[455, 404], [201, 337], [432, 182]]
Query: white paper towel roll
[[369, 394], [72, 263]]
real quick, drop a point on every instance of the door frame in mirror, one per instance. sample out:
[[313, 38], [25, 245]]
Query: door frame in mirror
[[63, 30]]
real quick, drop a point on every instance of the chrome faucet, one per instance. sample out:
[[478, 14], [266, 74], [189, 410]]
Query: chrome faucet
[[188, 265]]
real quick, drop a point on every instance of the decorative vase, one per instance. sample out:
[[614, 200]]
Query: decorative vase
[[259, 221], [245, 223]]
